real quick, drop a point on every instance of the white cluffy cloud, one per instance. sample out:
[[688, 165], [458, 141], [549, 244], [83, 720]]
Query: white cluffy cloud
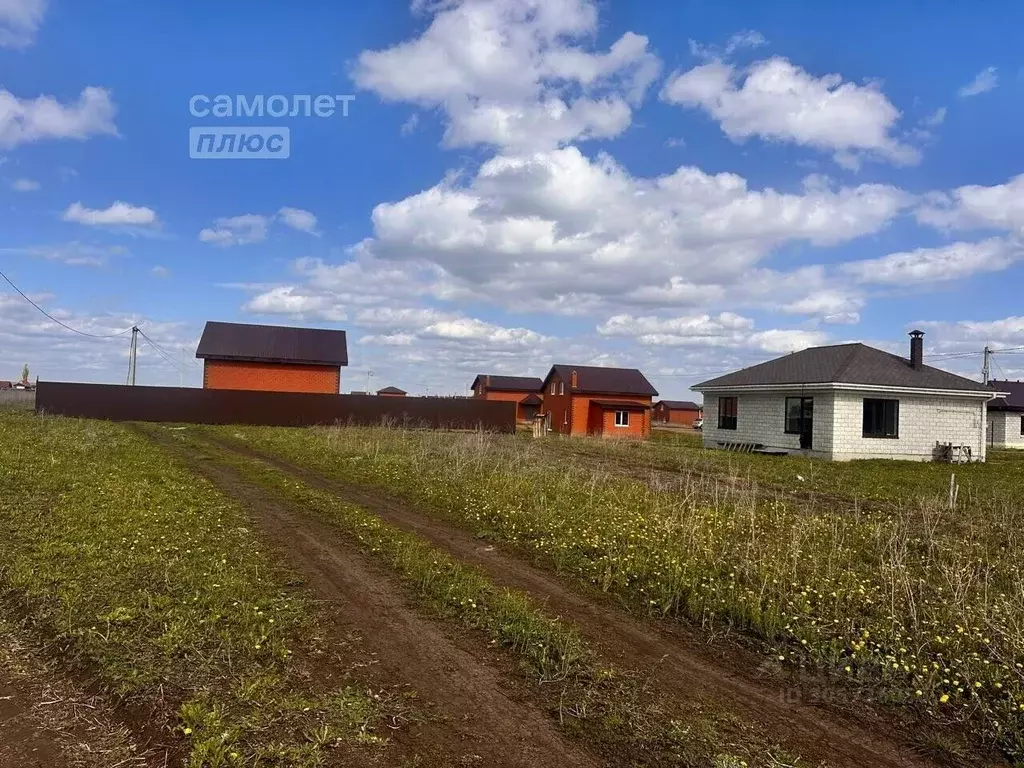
[[252, 228], [23, 121], [983, 82], [726, 329], [929, 265], [236, 230], [25, 185], [778, 101], [560, 232], [119, 214], [514, 73], [977, 207], [296, 218], [20, 21]]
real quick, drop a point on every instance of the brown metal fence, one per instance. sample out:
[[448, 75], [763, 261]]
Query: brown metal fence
[[273, 409]]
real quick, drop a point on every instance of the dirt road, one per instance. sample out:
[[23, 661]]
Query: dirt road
[[475, 714]]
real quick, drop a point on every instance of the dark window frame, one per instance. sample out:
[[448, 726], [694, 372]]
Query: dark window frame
[[727, 420], [883, 433], [785, 415]]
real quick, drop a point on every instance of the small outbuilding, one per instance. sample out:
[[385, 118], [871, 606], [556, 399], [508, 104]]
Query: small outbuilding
[[272, 358], [848, 401], [683, 413], [1006, 415], [391, 392]]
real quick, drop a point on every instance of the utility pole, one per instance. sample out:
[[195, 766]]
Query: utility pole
[[181, 371], [368, 375], [132, 355], [986, 371]]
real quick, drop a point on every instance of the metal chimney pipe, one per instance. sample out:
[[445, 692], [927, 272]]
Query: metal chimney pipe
[[917, 349]]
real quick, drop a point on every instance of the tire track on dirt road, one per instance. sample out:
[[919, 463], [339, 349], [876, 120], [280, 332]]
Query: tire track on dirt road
[[485, 723], [679, 663]]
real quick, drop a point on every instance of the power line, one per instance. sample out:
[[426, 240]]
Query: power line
[[160, 352], [58, 322]]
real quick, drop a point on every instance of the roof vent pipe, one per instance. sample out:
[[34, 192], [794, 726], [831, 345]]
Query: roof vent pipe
[[917, 349]]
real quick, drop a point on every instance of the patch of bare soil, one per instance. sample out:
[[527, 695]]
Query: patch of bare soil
[[807, 715], [47, 720], [475, 714]]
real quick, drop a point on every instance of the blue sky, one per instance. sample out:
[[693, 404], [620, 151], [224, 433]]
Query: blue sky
[[681, 188]]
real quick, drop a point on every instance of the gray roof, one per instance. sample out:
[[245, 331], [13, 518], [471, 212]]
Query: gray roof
[[272, 344], [1012, 402], [508, 383], [844, 364], [603, 381]]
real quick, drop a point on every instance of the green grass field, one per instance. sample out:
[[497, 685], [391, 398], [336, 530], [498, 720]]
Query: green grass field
[[155, 580]]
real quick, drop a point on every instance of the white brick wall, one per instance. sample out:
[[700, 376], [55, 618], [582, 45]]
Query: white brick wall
[[839, 421], [1005, 429], [761, 419], [923, 420]]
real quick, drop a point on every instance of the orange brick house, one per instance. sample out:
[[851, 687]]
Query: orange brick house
[[682, 413], [522, 390], [272, 358], [391, 392], [606, 402]]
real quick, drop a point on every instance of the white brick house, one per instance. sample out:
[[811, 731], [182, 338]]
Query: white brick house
[[1006, 415], [848, 401]]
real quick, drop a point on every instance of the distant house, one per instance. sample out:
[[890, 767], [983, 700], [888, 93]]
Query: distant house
[[522, 390], [848, 401], [272, 358], [391, 392], [1006, 415], [607, 402], [679, 412]]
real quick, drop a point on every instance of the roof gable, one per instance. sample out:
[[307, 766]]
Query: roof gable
[[843, 364], [391, 391], [272, 343], [595, 380]]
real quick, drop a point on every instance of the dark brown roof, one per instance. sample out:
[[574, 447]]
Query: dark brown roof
[[595, 380], [272, 343], [679, 405], [621, 405], [508, 383], [391, 391], [1012, 402], [844, 364], [532, 399]]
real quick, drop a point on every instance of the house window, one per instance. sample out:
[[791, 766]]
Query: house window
[[561, 387], [622, 418], [553, 386], [799, 412], [727, 408], [881, 418]]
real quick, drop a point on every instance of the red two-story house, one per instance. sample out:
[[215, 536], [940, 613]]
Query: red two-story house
[[607, 402]]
